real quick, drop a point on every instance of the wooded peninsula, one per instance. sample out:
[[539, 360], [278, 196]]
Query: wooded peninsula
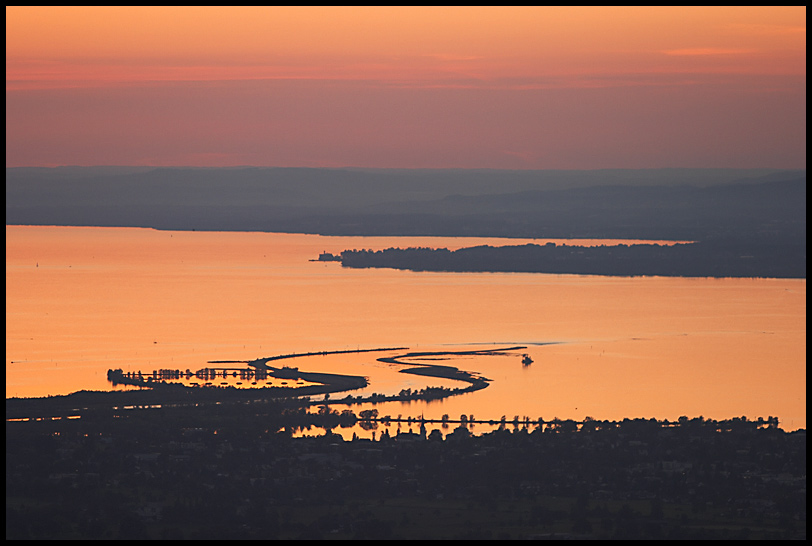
[[699, 259]]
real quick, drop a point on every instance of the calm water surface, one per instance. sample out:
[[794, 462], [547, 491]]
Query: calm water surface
[[82, 300]]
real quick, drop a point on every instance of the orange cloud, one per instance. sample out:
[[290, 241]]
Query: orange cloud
[[708, 51], [64, 46]]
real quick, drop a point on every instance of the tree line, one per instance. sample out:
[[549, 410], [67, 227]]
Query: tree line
[[698, 259]]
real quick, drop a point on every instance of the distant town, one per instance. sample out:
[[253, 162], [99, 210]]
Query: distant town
[[168, 461], [271, 469]]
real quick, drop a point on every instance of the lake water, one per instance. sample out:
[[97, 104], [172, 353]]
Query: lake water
[[82, 300]]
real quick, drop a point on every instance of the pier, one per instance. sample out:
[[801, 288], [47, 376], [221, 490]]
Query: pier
[[205, 374]]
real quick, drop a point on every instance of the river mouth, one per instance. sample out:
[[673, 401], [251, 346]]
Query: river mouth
[[287, 381]]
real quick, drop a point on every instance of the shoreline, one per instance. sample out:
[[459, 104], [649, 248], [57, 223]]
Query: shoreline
[[158, 393]]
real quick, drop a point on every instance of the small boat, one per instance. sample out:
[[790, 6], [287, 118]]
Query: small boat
[[526, 360]]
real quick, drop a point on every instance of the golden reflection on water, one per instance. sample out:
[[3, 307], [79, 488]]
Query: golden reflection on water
[[82, 300]]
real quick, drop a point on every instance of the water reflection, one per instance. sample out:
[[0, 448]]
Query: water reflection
[[80, 301]]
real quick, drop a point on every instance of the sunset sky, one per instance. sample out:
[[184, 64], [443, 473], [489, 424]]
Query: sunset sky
[[407, 87]]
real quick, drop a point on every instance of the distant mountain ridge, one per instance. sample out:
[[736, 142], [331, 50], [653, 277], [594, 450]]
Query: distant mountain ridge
[[612, 203]]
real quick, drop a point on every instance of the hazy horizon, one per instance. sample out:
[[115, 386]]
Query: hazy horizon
[[362, 168]]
